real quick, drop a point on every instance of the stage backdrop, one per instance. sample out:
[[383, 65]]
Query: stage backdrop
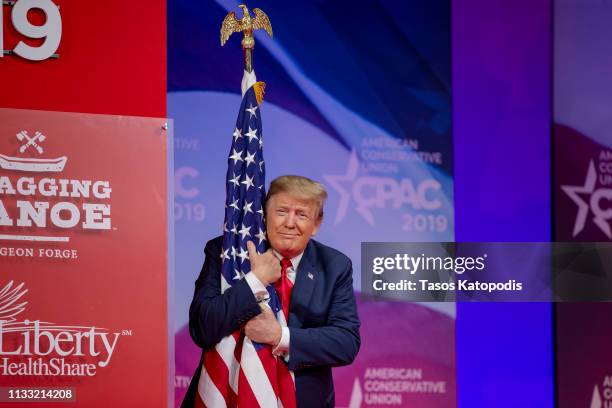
[[84, 250], [583, 190], [358, 98]]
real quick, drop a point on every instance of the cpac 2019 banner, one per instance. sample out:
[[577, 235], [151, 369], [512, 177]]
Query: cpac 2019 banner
[[583, 191], [364, 111], [84, 259]]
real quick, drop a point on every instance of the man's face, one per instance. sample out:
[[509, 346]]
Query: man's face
[[291, 221]]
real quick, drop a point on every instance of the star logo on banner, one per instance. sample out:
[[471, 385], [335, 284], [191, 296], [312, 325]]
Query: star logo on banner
[[596, 399], [251, 109], [574, 193], [336, 181]]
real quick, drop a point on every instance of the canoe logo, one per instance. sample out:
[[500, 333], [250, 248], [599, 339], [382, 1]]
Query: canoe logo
[[36, 201], [32, 164]]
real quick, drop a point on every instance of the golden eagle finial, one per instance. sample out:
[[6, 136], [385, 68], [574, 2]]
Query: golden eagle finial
[[246, 25]]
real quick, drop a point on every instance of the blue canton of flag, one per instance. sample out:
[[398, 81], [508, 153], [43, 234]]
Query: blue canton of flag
[[244, 203]]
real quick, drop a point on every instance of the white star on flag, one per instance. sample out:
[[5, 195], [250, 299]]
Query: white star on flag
[[247, 207], [245, 231], [251, 109], [243, 255], [224, 255], [261, 235], [252, 134], [237, 134], [235, 181], [236, 156], [249, 159], [248, 182]]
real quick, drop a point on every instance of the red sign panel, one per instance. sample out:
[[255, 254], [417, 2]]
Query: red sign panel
[[83, 259]]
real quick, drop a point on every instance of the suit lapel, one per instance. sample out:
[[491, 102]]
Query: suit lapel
[[305, 280]]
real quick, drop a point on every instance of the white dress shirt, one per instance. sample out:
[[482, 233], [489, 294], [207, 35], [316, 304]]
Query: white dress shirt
[[260, 292]]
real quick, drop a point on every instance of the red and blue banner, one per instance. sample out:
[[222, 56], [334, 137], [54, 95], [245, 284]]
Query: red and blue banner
[[85, 254]]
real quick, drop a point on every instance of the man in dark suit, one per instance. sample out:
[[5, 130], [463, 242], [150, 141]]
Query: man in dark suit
[[323, 327]]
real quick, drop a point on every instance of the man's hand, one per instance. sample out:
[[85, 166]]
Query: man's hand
[[264, 328], [266, 266]]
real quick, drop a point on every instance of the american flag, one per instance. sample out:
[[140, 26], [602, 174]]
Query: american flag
[[239, 372]]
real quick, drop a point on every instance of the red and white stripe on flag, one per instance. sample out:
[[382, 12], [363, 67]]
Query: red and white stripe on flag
[[236, 374]]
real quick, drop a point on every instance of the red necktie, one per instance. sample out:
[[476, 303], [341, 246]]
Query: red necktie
[[284, 286]]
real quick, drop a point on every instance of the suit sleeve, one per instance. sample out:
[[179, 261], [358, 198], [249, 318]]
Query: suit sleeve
[[212, 314], [336, 343]]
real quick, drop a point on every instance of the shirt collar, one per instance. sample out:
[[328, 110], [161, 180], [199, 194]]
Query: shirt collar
[[295, 261]]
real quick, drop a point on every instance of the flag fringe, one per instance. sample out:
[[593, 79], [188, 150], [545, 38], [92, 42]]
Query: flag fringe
[[260, 89]]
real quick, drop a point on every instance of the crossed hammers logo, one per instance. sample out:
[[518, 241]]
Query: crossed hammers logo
[[30, 141]]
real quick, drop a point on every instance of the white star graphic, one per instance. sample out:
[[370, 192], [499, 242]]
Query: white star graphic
[[234, 229], [225, 225], [249, 159], [260, 211], [345, 196], [235, 205], [251, 109], [236, 156], [261, 235], [237, 134], [260, 165], [248, 182], [224, 255], [234, 253], [243, 254], [245, 231], [237, 275], [583, 206], [252, 134], [247, 207], [261, 141], [236, 180]]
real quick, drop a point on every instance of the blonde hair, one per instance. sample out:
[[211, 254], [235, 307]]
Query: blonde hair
[[302, 187]]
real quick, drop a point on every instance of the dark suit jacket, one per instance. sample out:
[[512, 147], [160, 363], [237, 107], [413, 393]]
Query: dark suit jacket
[[323, 321]]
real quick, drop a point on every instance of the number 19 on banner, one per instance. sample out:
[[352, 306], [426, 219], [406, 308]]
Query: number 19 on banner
[[50, 31]]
